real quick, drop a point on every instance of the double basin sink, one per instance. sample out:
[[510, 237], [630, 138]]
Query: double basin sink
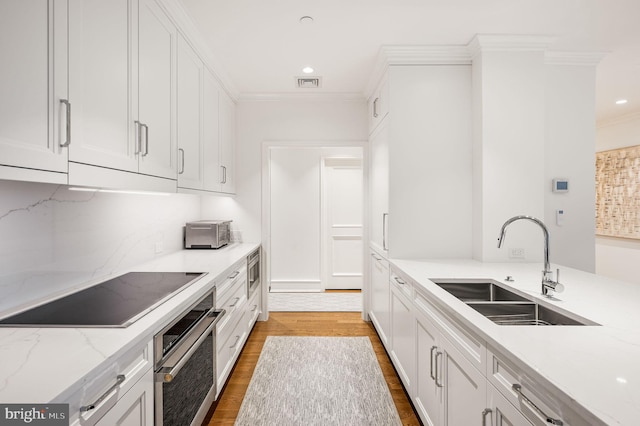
[[506, 307]]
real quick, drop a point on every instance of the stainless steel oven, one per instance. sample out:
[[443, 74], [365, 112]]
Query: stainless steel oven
[[253, 273], [185, 364]]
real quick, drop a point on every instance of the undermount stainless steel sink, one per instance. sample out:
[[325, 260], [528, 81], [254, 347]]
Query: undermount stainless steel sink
[[506, 307]]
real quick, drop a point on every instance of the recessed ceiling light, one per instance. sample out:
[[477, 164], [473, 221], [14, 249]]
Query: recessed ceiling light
[[307, 70], [306, 20], [621, 101]]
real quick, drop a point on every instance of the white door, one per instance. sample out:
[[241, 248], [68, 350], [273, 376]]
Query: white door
[[33, 82], [342, 223], [227, 125], [156, 90], [210, 133], [100, 83]]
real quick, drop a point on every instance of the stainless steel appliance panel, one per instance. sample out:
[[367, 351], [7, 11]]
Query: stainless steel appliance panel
[[207, 234], [253, 273]]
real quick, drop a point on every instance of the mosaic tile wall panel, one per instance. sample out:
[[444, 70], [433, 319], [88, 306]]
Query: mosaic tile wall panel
[[618, 192]]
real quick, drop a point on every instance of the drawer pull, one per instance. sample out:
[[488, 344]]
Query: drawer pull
[[484, 416], [233, 275], [399, 281], [235, 343], [518, 389], [119, 379], [254, 308], [235, 303]]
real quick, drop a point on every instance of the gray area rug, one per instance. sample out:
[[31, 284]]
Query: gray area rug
[[317, 381]]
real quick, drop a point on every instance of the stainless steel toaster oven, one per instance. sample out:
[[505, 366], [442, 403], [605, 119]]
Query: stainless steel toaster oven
[[209, 234]]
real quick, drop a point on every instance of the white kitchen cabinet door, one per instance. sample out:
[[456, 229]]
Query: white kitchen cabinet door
[[190, 94], [156, 91], [211, 133], [427, 395], [100, 79], [33, 84], [379, 104], [379, 178], [227, 123], [380, 297], [403, 337], [134, 408], [464, 387]]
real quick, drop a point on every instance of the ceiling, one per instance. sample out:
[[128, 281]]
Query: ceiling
[[262, 45]]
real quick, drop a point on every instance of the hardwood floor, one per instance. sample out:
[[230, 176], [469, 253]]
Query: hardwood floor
[[226, 409]]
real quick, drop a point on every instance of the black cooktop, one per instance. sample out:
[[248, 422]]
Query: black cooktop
[[117, 302]]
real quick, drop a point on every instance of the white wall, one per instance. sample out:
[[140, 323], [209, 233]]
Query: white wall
[[569, 153], [53, 240], [618, 257]]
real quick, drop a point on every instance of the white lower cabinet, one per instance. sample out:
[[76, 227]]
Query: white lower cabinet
[[121, 395], [501, 412], [380, 295], [402, 331]]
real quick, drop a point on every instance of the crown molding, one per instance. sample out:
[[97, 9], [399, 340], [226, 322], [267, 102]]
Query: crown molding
[[390, 55], [509, 43], [626, 118], [584, 59], [302, 96]]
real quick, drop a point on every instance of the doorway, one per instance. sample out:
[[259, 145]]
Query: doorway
[[312, 217]]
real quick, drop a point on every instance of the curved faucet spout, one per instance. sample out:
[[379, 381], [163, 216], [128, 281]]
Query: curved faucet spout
[[503, 233]]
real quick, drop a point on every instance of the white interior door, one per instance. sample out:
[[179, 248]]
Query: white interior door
[[342, 223]]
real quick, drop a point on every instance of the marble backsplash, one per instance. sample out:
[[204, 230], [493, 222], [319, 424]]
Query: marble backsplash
[[54, 240]]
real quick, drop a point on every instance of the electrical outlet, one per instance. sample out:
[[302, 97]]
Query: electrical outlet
[[158, 247], [516, 253]]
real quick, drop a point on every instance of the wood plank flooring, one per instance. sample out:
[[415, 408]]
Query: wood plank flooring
[[225, 410]]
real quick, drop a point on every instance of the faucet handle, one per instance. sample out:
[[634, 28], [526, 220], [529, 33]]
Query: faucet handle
[[559, 288]]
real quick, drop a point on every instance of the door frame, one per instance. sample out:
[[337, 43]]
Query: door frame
[[267, 145]]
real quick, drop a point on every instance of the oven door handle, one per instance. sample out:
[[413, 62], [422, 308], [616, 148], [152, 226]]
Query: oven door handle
[[167, 373]]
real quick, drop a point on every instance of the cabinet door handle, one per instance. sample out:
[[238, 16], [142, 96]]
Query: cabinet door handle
[[235, 343], [119, 379], [235, 303], [146, 140], [181, 151], [438, 372], [375, 107], [431, 362], [385, 217], [67, 140], [484, 416], [138, 144], [518, 389], [254, 308], [376, 257]]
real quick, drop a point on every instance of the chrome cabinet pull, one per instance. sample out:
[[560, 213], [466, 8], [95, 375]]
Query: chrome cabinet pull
[[438, 384], [235, 343], [431, 362], [385, 217], [119, 379], [138, 144], [254, 308], [484, 415], [375, 107], [181, 151], [399, 281], [518, 389], [146, 140], [376, 257], [235, 303], [67, 141], [233, 275]]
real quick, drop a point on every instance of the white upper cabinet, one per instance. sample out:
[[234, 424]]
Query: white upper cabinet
[[156, 91], [122, 86], [227, 143], [101, 83], [379, 104], [211, 133], [33, 85], [190, 117]]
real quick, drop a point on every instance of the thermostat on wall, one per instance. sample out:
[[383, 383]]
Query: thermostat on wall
[[560, 185]]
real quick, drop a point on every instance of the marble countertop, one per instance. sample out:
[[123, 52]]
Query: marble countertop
[[41, 365], [596, 367]]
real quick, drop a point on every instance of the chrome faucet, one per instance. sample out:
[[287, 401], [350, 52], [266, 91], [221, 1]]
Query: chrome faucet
[[548, 284]]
